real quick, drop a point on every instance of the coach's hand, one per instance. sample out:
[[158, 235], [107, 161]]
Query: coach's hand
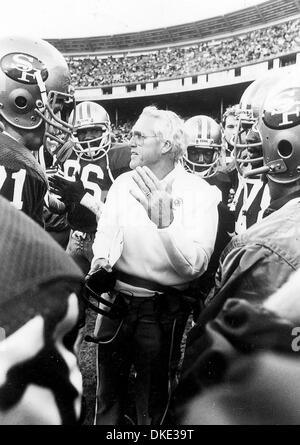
[[99, 263], [156, 200]]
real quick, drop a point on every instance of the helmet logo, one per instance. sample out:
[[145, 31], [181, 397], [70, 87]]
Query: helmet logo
[[200, 142], [283, 110], [23, 67]]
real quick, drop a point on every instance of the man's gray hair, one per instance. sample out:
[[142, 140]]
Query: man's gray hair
[[169, 127]]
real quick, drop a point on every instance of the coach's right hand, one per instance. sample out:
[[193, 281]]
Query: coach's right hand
[[99, 263]]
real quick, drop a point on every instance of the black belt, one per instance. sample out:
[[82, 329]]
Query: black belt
[[143, 283]]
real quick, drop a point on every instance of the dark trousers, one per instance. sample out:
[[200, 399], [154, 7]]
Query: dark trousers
[[149, 337]]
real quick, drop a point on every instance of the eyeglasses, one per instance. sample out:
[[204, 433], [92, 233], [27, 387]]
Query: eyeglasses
[[138, 138]]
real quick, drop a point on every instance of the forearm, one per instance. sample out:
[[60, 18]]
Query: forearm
[[108, 241], [190, 239], [92, 204], [187, 256], [101, 244]]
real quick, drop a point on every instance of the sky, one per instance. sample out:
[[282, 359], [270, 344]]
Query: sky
[[83, 18]]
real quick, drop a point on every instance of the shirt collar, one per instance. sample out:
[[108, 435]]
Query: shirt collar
[[172, 175]]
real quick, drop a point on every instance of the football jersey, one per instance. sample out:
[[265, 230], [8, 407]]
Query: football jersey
[[221, 180], [52, 221], [251, 200], [97, 177], [22, 180]]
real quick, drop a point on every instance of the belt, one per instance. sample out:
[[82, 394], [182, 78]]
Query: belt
[[133, 280]]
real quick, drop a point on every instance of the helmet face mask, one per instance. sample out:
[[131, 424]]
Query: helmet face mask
[[247, 145], [204, 149], [92, 135], [202, 159], [57, 131], [34, 76], [254, 147]]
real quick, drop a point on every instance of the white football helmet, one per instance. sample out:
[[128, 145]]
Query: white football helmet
[[204, 151], [90, 115]]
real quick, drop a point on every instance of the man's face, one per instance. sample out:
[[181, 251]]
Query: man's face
[[230, 128], [200, 155], [32, 139], [253, 137], [89, 134], [145, 145]]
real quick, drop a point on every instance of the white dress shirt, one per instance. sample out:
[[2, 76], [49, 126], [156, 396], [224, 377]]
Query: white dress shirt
[[171, 256]]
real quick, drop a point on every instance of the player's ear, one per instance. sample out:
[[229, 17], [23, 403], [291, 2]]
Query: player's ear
[[166, 147]]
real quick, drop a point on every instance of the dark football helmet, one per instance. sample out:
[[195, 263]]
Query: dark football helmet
[[204, 151], [247, 141], [279, 127], [34, 88]]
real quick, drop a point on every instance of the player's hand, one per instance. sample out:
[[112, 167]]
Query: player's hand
[[54, 204], [156, 200], [60, 152], [99, 263], [69, 191]]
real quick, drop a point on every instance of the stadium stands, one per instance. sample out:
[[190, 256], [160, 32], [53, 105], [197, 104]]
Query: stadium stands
[[174, 62]]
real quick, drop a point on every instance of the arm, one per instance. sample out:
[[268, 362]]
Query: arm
[[251, 271], [108, 241], [73, 192], [92, 204], [189, 240], [54, 204], [188, 230]]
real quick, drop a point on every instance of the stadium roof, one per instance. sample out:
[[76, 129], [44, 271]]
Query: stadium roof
[[257, 15]]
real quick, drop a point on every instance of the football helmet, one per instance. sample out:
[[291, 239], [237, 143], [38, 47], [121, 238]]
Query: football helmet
[[247, 141], [34, 87], [90, 115], [204, 149], [279, 127]]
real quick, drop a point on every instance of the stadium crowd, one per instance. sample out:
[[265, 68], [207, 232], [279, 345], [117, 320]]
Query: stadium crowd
[[92, 71], [121, 131]]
